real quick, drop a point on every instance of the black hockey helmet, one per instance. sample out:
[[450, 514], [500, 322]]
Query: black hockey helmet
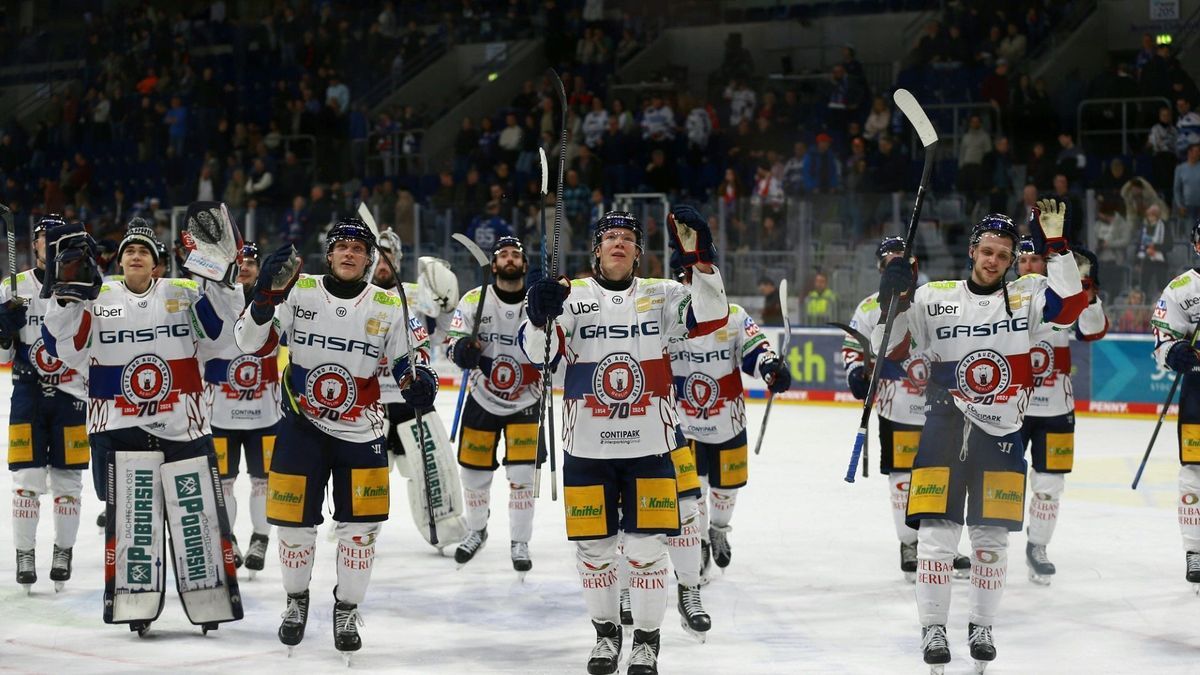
[[891, 244], [48, 221], [616, 220], [508, 241], [350, 229], [995, 223], [1027, 246]]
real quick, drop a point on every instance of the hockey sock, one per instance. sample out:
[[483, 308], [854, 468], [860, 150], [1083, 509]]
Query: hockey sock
[[477, 493], [296, 546], [937, 544], [230, 500], [989, 566], [647, 556], [1043, 505], [356, 551], [258, 506], [520, 502], [898, 488], [596, 560], [685, 548], [67, 486], [723, 502], [1189, 506], [26, 510], [703, 507]]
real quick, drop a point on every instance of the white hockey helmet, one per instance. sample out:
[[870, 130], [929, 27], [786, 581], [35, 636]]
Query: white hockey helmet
[[437, 286]]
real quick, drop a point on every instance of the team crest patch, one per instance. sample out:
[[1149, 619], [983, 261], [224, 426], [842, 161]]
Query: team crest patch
[[618, 387], [916, 371], [505, 376], [243, 378], [47, 365], [330, 392], [982, 374], [146, 387], [701, 396], [1041, 359]]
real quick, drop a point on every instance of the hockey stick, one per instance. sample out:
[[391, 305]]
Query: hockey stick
[[920, 121], [543, 448], [11, 236], [486, 264], [365, 214], [552, 273], [861, 339], [1154, 436], [783, 345]]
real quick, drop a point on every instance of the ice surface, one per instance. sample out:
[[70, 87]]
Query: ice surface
[[814, 586]]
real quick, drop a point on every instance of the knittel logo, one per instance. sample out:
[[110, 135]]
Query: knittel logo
[[656, 503], [1000, 495], [923, 490], [585, 511]]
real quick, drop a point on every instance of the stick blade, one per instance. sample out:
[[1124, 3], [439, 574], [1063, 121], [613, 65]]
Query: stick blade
[[916, 116], [365, 214], [545, 171], [783, 301], [472, 248]]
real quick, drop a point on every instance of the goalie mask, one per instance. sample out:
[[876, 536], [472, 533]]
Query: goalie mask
[[437, 287]]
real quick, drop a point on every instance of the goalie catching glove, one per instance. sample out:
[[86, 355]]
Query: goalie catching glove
[[211, 242], [72, 274]]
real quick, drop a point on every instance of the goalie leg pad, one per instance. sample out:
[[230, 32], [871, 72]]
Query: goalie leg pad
[[447, 491], [134, 549]]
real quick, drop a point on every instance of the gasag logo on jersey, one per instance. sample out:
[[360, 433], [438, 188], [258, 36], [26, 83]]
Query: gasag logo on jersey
[[983, 376], [1041, 358], [618, 386], [1013, 325], [146, 387], [505, 379], [330, 393], [333, 343], [602, 331], [244, 379], [50, 369], [173, 330], [701, 396]]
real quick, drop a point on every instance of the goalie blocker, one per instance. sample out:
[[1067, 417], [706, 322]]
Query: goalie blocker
[[175, 481]]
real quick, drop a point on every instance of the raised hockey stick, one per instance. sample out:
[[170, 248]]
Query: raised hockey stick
[[10, 235], [861, 339], [365, 214], [783, 345], [1137, 478], [543, 447], [486, 265], [928, 135]]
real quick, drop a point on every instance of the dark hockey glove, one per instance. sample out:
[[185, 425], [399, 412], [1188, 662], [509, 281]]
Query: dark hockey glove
[[857, 380], [691, 236], [466, 353], [13, 316], [545, 299], [276, 277], [1183, 358], [418, 392], [72, 273], [899, 279], [777, 375]]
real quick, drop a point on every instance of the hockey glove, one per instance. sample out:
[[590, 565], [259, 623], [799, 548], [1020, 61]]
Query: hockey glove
[[857, 380], [1183, 358], [13, 316], [1089, 270], [72, 274], [776, 374], [691, 236], [418, 392], [466, 353], [276, 277], [1049, 218], [899, 279], [212, 243], [544, 301]]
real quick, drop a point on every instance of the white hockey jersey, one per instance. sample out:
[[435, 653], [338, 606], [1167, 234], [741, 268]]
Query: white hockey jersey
[[142, 352], [617, 398], [241, 390], [505, 382], [1050, 361], [900, 396], [707, 376], [977, 350], [335, 348], [28, 354], [1176, 314], [437, 328]]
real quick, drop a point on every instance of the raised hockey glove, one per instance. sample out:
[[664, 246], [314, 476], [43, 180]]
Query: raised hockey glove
[[211, 242], [899, 279], [1089, 270], [776, 374], [418, 392], [691, 236], [857, 380], [545, 299], [277, 275], [72, 274], [1183, 358], [1049, 218], [13, 316], [466, 353]]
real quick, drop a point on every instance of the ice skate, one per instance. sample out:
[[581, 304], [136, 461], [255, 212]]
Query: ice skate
[[295, 618], [26, 570], [60, 568], [962, 567], [983, 649], [1041, 570], [626, 608], [908, 561], [142, 628], [718, 537], [935, 648], [643, 659], [692, 617], [205, 628], [256, 554], [1193, 570], [607, 652], [520, 559], [470, 546], [346, 620]]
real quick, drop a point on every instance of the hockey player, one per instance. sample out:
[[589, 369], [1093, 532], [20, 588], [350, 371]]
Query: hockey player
[[242, 392], [977, 334], [712, 419], [47, 432], [138, 339], [1175, 320], [618, 419], [504, 394], [1049, 428], [900, 403], [332, 433]]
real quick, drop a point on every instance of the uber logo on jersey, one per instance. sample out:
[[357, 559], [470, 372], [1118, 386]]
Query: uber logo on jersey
[[584, 307], [943, 309], [1191, 302], [301, 313], [108, 311]]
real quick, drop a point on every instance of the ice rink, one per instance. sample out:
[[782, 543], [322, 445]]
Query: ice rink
[[814, 585]]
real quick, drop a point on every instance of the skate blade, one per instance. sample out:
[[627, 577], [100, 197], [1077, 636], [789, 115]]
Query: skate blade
[[937, 669], [521, 576], [59, 585], [981, 666], [291, 648], [28, 588], [348, 657], [696, 635], [252, 574], [910, 577], [1196, 589], [1040, 579], [962, 574]]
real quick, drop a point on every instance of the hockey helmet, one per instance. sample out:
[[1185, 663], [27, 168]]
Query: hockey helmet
[[1026, 246], [998, 224], [350, 229], [611, 221], [886, 246], [506, 242], [249, 251], [48, 221]]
